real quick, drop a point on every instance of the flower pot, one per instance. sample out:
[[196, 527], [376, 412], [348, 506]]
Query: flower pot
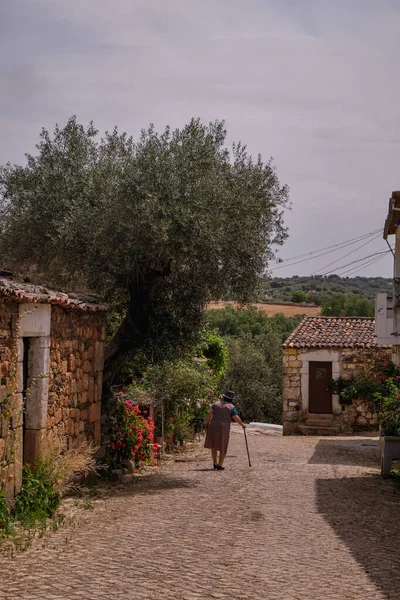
[[390, 450]]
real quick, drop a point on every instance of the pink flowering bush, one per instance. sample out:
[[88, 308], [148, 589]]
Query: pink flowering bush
[[380, 387], [131, 434], [367, 385]]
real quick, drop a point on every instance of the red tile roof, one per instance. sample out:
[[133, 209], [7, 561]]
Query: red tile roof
[[38, 294], [333, 332]]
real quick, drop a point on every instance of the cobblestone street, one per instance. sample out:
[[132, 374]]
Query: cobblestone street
[[310, 519]]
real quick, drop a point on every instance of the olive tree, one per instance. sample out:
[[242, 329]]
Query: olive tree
[[157, 226]]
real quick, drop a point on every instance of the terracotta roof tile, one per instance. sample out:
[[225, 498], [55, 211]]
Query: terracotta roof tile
[[38, 294], [333, 332]]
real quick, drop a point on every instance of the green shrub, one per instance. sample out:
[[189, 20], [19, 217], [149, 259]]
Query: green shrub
[[39, 498], [388, 404], [347, 305], [5, 517], [187, 388], [43, 486], [299, 296], [365, 386], [255, 370], [215, 351], [234, 322], [255, 373], [181, 429]]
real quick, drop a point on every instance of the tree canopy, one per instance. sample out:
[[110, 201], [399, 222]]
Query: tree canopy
[[299, 296], [156, 226], [347, 305], [255, 374], [234, 322], [255, 370]]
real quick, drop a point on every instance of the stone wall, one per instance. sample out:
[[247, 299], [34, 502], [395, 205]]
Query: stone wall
[[76, 375], [358, 415], [293, 413], [10, 403], [348, 362], [65, 371]]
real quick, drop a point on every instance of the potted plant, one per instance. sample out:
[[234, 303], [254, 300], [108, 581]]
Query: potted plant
[[340, 387], [388, 405]]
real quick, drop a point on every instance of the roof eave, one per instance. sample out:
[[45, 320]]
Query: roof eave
[[393, 215], [15, 292], [324, 347]]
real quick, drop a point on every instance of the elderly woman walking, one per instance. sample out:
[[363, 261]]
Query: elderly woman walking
[[218, 424]]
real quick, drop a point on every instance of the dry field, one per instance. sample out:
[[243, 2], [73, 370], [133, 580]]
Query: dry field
[[289, 310]]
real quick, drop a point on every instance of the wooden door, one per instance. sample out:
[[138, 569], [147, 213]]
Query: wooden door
[[320, 394]]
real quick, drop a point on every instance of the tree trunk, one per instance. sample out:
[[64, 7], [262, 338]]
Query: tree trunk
[[119, 351], [133, 331]]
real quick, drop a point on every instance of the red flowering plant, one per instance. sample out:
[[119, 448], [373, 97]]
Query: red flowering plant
[[380, 387], [131, 433], [367, 385]]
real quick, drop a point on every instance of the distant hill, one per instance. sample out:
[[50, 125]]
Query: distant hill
[[317, 289]]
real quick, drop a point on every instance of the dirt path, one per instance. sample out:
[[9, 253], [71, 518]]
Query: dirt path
[[311, 519]]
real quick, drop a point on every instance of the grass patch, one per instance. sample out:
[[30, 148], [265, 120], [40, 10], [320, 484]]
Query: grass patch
[[35, 509], [39, 497]]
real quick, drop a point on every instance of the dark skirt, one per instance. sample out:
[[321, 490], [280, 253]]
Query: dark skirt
[[217, 436]]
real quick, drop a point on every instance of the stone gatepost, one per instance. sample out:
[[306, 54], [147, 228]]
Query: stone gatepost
[[33, 375]]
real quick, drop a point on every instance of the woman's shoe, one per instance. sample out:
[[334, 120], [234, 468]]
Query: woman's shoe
[[219, 468], [216, 466]]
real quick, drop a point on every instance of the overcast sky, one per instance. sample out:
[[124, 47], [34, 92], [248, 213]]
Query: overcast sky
[[313, 83]]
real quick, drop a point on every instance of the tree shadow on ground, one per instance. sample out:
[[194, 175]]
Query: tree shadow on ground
[[205, 470], [151, 483], [360, 452], [364, 513], [198, 459]]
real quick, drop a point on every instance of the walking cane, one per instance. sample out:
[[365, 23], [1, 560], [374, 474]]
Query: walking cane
[[247, 446]]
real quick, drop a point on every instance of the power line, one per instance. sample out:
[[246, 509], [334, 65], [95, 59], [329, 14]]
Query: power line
[[364, 258], [348, 254], [355, 240], [292, 264], [332, 248], [367, 264]]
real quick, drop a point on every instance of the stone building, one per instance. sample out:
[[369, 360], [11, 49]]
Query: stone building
[[320, 350], [387, 305], [51, 367]]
